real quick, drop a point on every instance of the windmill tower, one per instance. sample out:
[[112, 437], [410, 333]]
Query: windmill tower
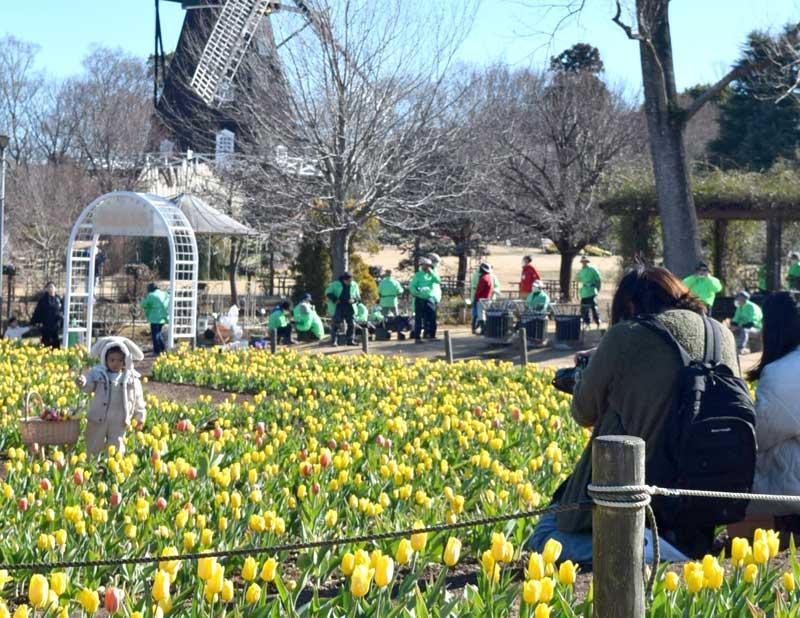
[[211, 66]]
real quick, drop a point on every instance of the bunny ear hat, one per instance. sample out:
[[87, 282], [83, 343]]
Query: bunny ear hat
[[133, 353]]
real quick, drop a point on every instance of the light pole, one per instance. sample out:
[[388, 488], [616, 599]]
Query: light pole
[[4, 139]]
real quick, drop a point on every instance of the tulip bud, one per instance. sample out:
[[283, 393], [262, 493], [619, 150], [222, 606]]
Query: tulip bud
[[113, 599]]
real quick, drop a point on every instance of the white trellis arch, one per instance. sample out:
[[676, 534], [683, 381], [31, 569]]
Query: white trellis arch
[[125, 213]]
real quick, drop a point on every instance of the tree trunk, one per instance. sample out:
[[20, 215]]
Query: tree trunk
[[721, 250], [340, 245], [774, 254], [271, 271], [565, 273], [417, 251], [461, 275], [233, 263], [665, 125]]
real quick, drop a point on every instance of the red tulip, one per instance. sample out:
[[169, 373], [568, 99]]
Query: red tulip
[[182, 425], [23, 504], [114, 597], [325, 459], [315, 488], [515, 414], [161, 504], [191, 473], [155, 457], [45, 484], [78, 477], [305, 469], [217, 433], [303, 455], [332, 444], [115, 498]]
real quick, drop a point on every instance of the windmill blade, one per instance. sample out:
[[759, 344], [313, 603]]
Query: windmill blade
[[226, 47]]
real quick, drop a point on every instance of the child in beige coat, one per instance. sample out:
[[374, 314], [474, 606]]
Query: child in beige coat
[[118, 396]]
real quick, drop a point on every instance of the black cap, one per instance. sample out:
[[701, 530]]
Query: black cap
[[346, 275], [702, 266]]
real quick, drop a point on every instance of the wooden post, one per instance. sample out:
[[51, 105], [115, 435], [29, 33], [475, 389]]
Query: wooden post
[[365, 340], [523, 344], [448, 347], [273, 340], [618, 533], [721, 251], [774, 254]]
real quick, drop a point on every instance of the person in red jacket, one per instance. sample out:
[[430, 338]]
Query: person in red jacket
[[529, 275], [483, 292]]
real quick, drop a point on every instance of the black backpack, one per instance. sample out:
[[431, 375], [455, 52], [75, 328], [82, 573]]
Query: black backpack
[[708, 440]]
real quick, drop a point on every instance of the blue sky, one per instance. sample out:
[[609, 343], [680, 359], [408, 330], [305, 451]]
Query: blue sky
[[707, 34]]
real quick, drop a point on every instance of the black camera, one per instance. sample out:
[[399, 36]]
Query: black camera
[[565, 378]]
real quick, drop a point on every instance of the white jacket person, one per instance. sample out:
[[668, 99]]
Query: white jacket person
[[118, 397], [778, 435]]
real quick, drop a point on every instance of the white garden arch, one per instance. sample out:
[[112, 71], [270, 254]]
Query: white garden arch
[[125, 213]]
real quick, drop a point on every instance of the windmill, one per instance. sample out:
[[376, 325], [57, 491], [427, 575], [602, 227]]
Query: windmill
[[202, 78]]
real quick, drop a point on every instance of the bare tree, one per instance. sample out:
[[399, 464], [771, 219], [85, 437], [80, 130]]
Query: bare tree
[[20, 84], [667, 118], [361, 97], [558, 136]]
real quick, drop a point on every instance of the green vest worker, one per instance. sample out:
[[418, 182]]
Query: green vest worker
[[156, 309], [793, 277], [389, 290], [703, 285], [748, 320], [361, 313], [342, 295], [590, 281], [426, 289], [279, 322], [538, 300], [306, 319]]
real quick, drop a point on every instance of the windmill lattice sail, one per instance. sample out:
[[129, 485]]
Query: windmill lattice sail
[[225, 49]]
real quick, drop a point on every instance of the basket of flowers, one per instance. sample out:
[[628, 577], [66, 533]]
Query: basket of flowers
[[44, 425]]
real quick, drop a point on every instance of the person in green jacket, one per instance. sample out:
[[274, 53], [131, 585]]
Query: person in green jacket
[[538, 300], [279, 322], [748, 320], [793, 276], [389, 290], [590, 280], [342, 295], [704, 285], [425, 288], [156, 309], [306, 319]]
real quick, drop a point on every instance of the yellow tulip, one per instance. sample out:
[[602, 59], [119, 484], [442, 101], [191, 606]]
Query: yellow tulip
[[161, 584], [542, 611], [490, 567], [750, 573], [548, 589], [567, 573], [789, 582], [205, 568], [760, 552], [452, 551], [217, 579], [22, 611], [671, 581], [227, 590], [38, 591], [531, 591], [694, 581], [249, 569], [253, 593], [269, 570], [419, 539], [58, 582], [360, 580], [552, 551], [331, 518], [384, 571], [348, 563], [89, 600], [536, 566], [739, 550], [404, 552]]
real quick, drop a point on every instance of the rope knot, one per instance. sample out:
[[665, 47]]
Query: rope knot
[[620, 496]]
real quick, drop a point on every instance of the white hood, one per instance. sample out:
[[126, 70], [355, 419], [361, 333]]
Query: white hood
[[133, 353]]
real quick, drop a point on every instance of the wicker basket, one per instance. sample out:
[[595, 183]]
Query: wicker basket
[[34, 430]]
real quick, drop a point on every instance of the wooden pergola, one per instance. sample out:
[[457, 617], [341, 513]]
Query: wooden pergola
[[773, 197]]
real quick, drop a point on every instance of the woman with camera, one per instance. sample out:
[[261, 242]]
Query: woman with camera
[[627, 387]]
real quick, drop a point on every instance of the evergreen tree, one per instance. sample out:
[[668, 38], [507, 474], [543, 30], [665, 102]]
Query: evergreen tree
[[579, 58], [312, 269], [757, 129]]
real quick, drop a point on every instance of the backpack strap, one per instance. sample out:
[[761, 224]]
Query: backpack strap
[[655, 325], [713, 353]]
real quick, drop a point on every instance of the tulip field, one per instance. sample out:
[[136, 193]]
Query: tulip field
[[321, 448]]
